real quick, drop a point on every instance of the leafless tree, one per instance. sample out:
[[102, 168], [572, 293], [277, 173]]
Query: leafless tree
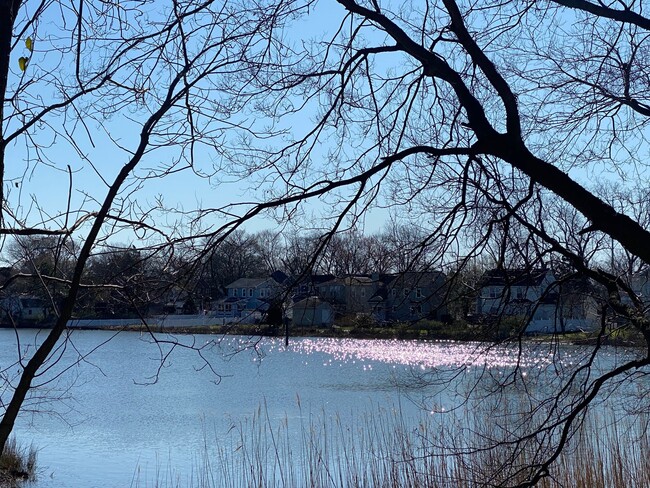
[[477, 121], [140, 82], [465, 118]]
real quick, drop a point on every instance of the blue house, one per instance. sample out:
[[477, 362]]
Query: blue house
[[248, 299]]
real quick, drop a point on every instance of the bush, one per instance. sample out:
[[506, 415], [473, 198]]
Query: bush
[[364, 321]]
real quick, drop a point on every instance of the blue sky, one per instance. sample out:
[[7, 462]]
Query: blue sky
[[38, 192], [47, 183]]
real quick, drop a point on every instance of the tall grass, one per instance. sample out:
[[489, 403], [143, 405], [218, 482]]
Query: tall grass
[[17, 464], [387, 450]]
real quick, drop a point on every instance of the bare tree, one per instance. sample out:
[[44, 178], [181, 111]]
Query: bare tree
[[462, 117], [140, 82], [486, 124]]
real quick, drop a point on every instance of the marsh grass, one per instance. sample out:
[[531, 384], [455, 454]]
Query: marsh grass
[[387, 450], [17, 464]]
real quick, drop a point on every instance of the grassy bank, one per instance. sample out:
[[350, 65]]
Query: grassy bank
[[422, 330], [17, 465], [425, 330]]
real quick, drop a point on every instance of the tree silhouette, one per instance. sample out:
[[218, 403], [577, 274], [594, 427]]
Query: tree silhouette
[[486, 124]]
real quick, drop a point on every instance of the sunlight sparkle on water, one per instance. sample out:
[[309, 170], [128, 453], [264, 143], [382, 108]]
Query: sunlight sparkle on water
[[419, 354]]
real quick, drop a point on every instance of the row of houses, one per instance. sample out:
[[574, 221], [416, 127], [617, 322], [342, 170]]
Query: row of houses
[[546, 303], [322, 299]]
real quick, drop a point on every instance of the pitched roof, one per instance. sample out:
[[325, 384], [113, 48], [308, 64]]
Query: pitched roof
[[311, 302], [513, 277], [247, 282], [279, 277], [417, 278]]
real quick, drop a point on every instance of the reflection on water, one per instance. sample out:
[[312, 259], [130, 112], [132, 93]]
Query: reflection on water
[[126, 407], [418, 354]]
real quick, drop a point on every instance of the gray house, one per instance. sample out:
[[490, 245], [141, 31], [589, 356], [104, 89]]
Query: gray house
[[24, 308], [349, 295], [410, 296]]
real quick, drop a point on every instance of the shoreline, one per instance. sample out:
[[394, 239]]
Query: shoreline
[[433, 331]]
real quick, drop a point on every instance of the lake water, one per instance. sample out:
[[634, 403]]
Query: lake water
[[118, 410]]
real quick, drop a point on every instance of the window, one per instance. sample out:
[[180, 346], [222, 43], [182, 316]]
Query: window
[[363, 292], [406, 292], [263, 292], [250, 292], [234, 292], [493, 292], [418, 293], [394, 292], [228, 307], [243, 292], [519, 293]]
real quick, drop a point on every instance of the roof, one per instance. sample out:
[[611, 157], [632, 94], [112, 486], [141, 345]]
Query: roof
[[30, 302], [280, 277], [351, 281], [513, 277], [380, 295], [247, 282], [417, 278], [317, 279], [311, 302]]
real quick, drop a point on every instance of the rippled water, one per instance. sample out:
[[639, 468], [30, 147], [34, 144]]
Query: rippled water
[[129, 412]]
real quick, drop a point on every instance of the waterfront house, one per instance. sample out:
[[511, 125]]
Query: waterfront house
[[410, 296], [547, 304], [307, 286], [24, 309], [349, 295], [248, 300]]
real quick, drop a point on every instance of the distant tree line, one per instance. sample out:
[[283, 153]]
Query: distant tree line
[[122, 280]]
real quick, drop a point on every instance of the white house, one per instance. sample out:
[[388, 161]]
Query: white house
[[312, 312], [549, 305]]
